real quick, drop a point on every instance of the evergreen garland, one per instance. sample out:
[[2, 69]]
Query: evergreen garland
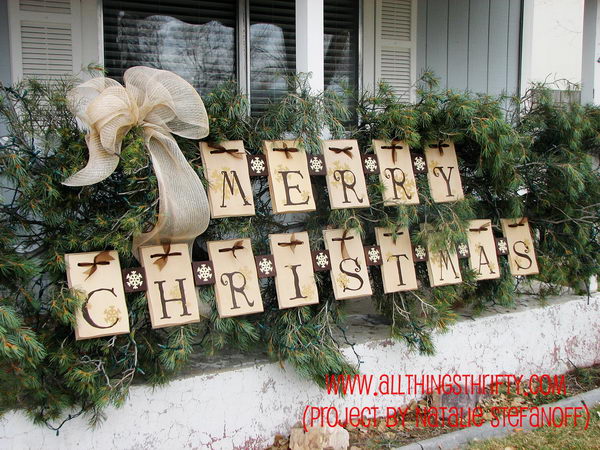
[[538, 166]]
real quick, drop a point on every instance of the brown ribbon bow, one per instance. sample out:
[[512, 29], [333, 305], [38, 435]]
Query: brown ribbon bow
[[393, 147], [164, 256], [220, 149], [286, 149], [483, 227], [343, 240], [237, 246], [293, 242], [518, 224], [101, 259], [394, 236], [346, 151], [440, 146]]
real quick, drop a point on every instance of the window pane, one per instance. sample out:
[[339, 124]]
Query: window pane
[[341, 44], [195, 39], [272, 49]]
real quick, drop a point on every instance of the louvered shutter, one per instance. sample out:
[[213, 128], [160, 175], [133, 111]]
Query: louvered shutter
[[45, 38], [193, 38], [341, 44], [272, 49], [395, 45]]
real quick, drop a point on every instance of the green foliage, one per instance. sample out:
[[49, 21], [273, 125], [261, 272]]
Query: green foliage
[[45, 370], [562, 188]]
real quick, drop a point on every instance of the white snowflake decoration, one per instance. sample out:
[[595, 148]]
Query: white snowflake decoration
[[420, 252], [374, 255], [322, 260], [463, 249], [204, 272], [316, 164], [265, 266], [134, 279], [257, 164], [370, 164], [419, 163], [503, 246]]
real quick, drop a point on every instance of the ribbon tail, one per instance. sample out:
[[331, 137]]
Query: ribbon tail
[[101, 164], [184, 211]]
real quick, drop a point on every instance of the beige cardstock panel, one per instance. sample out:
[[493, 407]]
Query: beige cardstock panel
[[285, 281], [482, 246], [340, 161], [214, 166], [340, 279], [437, 185], [103, 307], [392, 281], [177, 267], [407, 179], [299, 189], [520, 240], [238, 304]]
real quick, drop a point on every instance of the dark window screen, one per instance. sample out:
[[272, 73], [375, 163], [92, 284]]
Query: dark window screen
[[272, 49], [193, 38], [341, 44]]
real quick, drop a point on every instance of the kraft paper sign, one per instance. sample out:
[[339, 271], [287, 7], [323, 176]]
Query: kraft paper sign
[[349, 274], [172, 296], [521, 253], [98, 275], [226, 170], [237, 290], [396, 173], [482, 250], [295, 280], [345, 177], [289, 179], [445, 184], [398, 267]]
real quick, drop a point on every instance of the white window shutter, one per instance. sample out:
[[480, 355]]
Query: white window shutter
[[45, 38], [395, 45]]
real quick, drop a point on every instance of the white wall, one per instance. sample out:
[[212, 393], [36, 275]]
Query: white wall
[[245, 405], [556, 40]]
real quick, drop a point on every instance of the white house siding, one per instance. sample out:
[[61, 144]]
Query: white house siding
[[471, 44], [557, 40], [5, 76]]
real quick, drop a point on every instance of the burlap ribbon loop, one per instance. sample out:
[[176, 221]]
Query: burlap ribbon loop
[[162, 104]]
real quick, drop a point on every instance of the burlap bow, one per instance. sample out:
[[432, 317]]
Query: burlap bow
[[163, 104]]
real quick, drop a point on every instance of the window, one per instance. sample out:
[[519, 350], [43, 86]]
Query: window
[[272, 49], [341, 44], [193, 38], [197, 39]]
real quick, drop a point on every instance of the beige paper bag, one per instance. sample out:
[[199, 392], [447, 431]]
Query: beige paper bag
[[345, 177], [289, 181], [482, 248], [396, 173], [172, 296], [295, 281], [349, 273], [229, 187], [521, 252], [98, 275], [398, 268], [237, 291], [445, 184]]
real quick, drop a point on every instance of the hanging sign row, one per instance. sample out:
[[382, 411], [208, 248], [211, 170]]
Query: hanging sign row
[[169, 277], [228, 169]]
